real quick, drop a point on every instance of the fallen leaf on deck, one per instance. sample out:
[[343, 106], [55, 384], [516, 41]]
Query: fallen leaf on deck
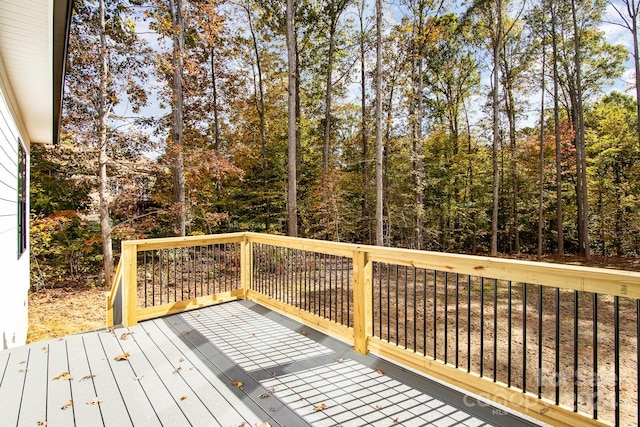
[[264, 395], [86, 377], [271, 390], [64, 376], [178, 369], [380, 371], [125, 335], [321, 407], [42, 423], [44, 349], [94, 401], [22, 363], [253, 335], [22, 370], [60, 339], [122, 357], [180, 360], [138, 378], [237, 383], [340, 360], [183, 397], [67, 405]]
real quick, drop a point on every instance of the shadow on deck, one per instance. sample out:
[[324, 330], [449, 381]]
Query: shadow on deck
[[230, 365]]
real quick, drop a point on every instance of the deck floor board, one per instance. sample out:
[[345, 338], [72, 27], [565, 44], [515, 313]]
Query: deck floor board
[[290, 375], [112, 405], [35, 384]]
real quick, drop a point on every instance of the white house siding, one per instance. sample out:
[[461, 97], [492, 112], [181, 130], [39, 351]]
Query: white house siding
[[14, 268]]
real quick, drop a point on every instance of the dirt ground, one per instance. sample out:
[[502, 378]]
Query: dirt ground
[[54, 313]]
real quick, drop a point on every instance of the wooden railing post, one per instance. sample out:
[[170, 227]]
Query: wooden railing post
[[362, 300], [129, 259], [246, 265]]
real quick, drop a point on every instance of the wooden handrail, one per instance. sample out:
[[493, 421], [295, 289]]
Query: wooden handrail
[[115, 286]]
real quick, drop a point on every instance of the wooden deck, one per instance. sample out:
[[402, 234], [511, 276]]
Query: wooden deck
[[232, 364]]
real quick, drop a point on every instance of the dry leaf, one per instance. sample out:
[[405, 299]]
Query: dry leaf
[[42, 423], [180, 360], [22, 363], [340, 360], [87, 377], [271, 390], [64, 376], [380, 371], [60, 339], [183, 397], [321, 407], [263, 395], [125, 335], [24, 371], [122, 357], [237, 383], [67, 405], [94, 401], [138, 378], [178, 369], [253, 335], [44, 349]]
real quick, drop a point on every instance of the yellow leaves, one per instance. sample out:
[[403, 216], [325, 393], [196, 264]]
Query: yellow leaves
[[42, 423], [237, 383], [321, 407], [183, 397], [94, 401], [121, 357], [63, 376], [67, 405]]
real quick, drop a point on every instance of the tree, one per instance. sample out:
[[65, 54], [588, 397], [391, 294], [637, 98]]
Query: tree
[[630, 22], [103, 73], [292, 140], [378, 127]]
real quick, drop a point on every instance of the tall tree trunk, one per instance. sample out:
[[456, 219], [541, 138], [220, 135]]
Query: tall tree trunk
[[541, 163], [581, 155], [364, 215], [177, 10], [103, 158], [292, 208], [327, 129], [510, 109], [216, 122], [632, 8], [378, 127], [260, 110], [556, 122], [418, 145], [497, 43]]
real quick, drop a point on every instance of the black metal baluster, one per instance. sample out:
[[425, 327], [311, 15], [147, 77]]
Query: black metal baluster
[[415, 310], [144, 258], [481, 326], [341, 291], [509, 310], [495, 330], [175, 276], [331, 257], [575, 351], [153, 279], [349, 269], [388, 302], [468, 323], [557, 368], [405, 306], [616, 354], [397, 307], [539, 341], [457, 316], [524, 337], [424, 311], [435, 315], [160, 274], [182, 272]]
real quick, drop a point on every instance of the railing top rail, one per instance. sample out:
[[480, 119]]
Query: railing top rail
[[589, 279]]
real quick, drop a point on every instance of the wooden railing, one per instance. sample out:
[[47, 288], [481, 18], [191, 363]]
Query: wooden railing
[[556, 342]]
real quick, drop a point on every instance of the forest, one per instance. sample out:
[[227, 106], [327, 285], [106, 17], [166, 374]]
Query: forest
[[499, 127]]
